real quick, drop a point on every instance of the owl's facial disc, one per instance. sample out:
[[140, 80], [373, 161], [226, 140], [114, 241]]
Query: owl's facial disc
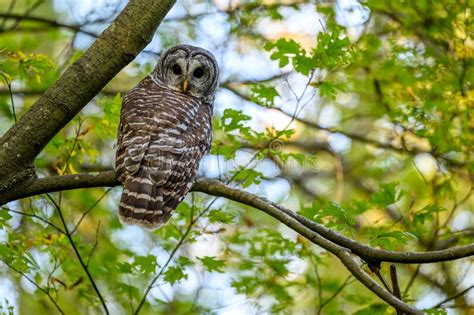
[[189, 70], [189, 75]]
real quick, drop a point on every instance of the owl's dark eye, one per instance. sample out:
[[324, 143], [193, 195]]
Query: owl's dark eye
[[176, 69], [198, 73]]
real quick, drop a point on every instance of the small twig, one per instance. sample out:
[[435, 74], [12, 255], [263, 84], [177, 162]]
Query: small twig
[[339, 178], [412, 280], [462, 76], [50, 274], [28, 10], [9, 86], [382, 279], [37, 217], [9, 10], [346, 282], [73, 147], [85, 213], [129, 293], [95, 244], [456, 206], [35, 284], [78, 255], [20, 17], [452, 297], [170, 257], [395, 286], [320, 288]]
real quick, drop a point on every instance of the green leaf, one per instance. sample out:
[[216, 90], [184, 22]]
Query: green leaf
[[245, 285], [332, 51], [390, 240], [29, 65], [220, 215], [264, 95], [304, 64], [426, 214], [233, 119], [329, 90], [374, 309], [127, 289], [387, 195], [278, 265], [107, 124], [331, 214], [283, 50], [174, 274], [124, 267], [247, 177], [145, 264], [4, 216], [184, 261], [212, 264], [226, 147]]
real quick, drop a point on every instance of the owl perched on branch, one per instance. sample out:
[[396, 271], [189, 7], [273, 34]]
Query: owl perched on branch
[[165, 129]]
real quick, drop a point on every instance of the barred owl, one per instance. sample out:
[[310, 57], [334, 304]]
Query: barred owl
[[164, 131]]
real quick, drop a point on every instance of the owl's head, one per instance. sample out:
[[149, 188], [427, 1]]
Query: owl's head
[[190, 70]]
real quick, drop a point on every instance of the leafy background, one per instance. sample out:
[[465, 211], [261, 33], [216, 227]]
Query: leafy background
[[356, 114]]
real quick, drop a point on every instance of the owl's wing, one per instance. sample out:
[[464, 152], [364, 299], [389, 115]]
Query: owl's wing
[[183, 176], [197, 144], [166, 166], [133, 168], [174, 179], [133, 136]]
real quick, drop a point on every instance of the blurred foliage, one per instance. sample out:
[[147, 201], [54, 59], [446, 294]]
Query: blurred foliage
[[395, 88]]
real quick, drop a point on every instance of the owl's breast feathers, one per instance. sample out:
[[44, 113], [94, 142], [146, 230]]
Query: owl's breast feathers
[[163, 134]]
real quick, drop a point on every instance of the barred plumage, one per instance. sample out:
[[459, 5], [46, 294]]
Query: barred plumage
[[165, 129]]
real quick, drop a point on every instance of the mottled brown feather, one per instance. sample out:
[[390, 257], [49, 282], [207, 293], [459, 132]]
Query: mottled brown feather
[[163, 135]]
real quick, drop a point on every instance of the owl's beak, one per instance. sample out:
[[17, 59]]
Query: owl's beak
[[185, 85]]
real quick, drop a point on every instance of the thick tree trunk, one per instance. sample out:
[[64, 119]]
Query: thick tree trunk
[[117, 46]]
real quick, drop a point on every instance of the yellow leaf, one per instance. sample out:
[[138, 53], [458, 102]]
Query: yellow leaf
[[72, 170]]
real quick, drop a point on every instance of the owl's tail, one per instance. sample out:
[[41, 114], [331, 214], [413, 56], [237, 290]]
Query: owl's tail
[[142, 202]]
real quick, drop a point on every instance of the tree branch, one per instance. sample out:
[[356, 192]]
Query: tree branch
[[217, 188], [59, 183], [48, 22], [49, 25], [330, 240], [351, 135]]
